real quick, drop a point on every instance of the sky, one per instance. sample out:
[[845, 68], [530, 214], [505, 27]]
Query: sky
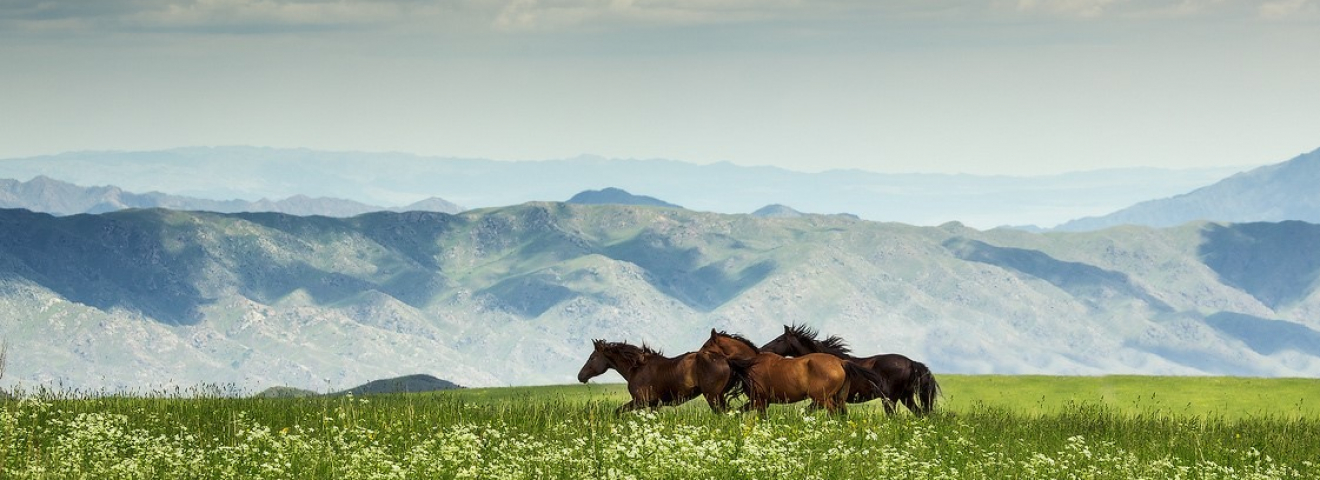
[[990, 87]]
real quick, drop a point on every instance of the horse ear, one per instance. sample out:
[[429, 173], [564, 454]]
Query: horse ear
[[787, 329], [597, 344], [712, 332]]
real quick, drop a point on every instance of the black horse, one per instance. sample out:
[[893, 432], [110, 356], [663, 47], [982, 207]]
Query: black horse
[[907, 381]]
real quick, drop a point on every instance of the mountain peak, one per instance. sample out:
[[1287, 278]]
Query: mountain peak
[[405, 384], [617, 196], [777, 211]]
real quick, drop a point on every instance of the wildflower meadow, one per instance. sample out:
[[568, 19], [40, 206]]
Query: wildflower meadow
[[572, 432]]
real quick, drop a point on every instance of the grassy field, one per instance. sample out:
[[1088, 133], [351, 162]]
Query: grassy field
[[1213, 397], [989, 427]]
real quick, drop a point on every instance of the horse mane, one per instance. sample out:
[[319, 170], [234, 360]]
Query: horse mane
[[803, 332], [629, 352], [739, 338], [835, 345]]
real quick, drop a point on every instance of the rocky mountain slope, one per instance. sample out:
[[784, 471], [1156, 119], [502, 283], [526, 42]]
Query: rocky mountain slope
[[1273, 193], [514, 295]]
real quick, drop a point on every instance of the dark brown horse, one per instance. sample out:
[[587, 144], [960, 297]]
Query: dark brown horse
[[655, 380], [908, 381], [770, 378]]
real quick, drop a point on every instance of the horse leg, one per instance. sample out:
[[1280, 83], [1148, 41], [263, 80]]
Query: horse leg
[[758, 405], [839, 401], [840, 409], [627, 407], [889, 405], [637, 403], [911, 403], [716, 402]]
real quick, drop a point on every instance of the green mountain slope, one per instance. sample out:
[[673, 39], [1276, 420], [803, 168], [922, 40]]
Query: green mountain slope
[[514, 295]]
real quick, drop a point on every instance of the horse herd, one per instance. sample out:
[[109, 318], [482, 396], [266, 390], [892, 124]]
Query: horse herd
[[794, 366]]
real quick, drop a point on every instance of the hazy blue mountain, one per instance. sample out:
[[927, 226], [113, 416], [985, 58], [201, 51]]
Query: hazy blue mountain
[[777, 211], [617, 196], [432, 204], [394, 179], [514, 295], [44, 194], [1285, 191]]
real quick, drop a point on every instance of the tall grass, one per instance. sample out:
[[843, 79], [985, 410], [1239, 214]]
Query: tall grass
[[572, 432]]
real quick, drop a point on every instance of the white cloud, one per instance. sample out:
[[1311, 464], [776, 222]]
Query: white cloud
[[204, 15], [1288, 9], [1154, 9], [1074, 8], [558, 14], [265, 13]]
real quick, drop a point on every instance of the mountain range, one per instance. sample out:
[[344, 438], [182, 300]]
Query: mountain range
[[226, 173], [1273, 193], [514, 295], [45, 194]]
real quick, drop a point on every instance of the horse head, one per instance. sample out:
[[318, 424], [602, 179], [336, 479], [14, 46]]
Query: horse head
[[596, 364], [730, 345], [799, 340], [789, 344]]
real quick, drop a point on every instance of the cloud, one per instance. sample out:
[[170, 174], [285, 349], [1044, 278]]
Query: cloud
[[266, 12], [1289, 9], [560, 14], [1148, 9], [227, 16], [549, 16], [1077, 8]]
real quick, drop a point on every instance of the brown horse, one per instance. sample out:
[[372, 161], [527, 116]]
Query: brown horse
[[655, 380], [732, 345], [769, 378], [908, 381]]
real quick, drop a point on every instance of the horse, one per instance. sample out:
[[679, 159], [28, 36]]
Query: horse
[[909, 381], [732, 345], [655, 380], [770, 378]]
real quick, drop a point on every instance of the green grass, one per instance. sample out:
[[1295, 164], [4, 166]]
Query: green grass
[[990, 427], [1228, 398], [1225, 397]]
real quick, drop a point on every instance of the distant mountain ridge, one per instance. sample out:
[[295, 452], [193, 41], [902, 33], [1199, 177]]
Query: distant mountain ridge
[[385, 178], [45, 194], [617, 196], [514, 295], [1273, 193], [416, 383]]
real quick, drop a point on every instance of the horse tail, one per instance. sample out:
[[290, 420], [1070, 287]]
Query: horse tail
[[740, 380], [735, 384], [927, 388], [855, 371]]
